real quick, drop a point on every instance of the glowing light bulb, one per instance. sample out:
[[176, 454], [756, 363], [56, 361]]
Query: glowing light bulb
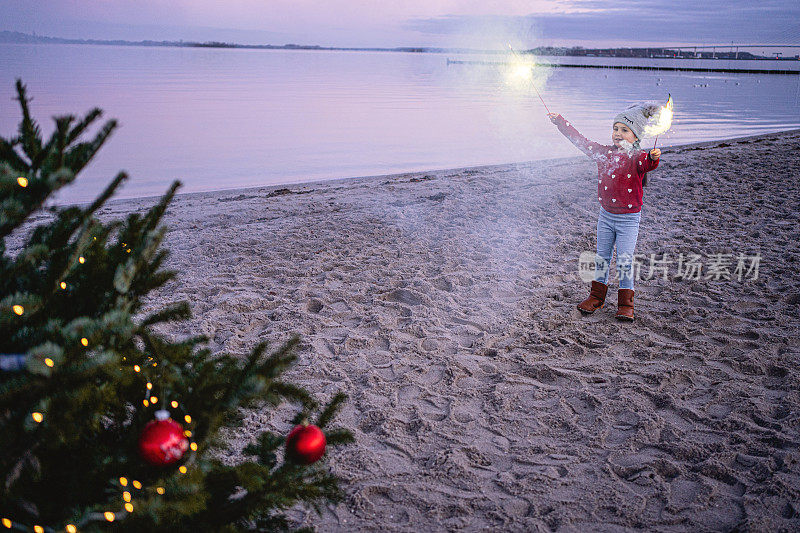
[[23, 182], [193, 446], [71, 528], [136, 484], [63, 285], [145, 402], [182, 469], [149, 385], [85, 341], [37, 417], [160, 490], [18, 309], [187, 433], [129, 507], [123, 481], [7, 523], [154, 399], [109, 516], [81, 260], [174, 404], [126, 496], [188, 419], [136, 368], [38, 529], [49, 362]]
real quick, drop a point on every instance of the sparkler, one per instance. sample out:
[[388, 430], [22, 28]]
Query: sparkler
[[662, 123], [524, 71]]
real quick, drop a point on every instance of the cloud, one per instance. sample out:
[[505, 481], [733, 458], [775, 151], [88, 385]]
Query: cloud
[[474, 23], [649, 21]]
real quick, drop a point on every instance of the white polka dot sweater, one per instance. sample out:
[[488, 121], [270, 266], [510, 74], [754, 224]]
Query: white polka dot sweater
[[619, 172]]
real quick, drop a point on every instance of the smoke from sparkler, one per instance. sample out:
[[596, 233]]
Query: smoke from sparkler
[[507, 82]]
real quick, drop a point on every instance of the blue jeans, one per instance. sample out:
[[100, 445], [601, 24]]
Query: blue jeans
[[622, 229]]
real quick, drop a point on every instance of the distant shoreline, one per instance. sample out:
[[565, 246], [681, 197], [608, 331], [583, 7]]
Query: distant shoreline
[[637, 67], [14, 37]]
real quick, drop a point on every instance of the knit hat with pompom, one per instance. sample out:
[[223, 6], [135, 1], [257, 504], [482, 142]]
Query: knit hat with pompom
[[636, 116]]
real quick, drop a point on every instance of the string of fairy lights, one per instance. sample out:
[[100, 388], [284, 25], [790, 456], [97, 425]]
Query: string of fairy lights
[[126, 485]]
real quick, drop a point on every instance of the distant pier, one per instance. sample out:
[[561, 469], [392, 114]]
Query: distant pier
[[635, 67]]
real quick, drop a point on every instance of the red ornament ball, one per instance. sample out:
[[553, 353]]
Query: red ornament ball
[[305, 444], [162, 441]]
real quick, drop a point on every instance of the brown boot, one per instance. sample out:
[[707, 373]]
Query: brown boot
[[596, 299], [625, 304]]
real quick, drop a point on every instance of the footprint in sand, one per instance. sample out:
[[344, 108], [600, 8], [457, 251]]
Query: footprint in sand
[[428, 345], [443, 284], [407, 394], [432, 375], [437, 409], [404, 296]]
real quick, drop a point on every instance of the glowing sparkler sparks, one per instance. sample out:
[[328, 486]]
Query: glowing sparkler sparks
[[523, 71], [520, 72], [661, 121]]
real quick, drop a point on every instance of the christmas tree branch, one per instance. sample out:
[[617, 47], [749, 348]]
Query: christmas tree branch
[[107, 193], [18, 206], [280, 389], [279, 361], [176, 311], [339, 436], [29, 133], [330, 410], [156, 213], [54, 149], [81, 126], [82, 153], [10, 157]]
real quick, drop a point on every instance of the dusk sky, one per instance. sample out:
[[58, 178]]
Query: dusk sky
[[472, 23]]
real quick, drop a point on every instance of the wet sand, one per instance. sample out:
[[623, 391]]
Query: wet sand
[[443, 304]]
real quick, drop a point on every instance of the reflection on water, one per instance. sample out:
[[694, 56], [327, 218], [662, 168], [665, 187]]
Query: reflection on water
[[221, 118]]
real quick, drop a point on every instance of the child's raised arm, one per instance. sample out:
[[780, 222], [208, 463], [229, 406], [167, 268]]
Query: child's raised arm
[[583, 144]]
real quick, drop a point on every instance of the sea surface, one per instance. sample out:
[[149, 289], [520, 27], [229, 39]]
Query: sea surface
[[230, 118]]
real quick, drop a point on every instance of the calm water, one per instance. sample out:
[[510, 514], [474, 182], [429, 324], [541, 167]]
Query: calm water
[[221, 118]]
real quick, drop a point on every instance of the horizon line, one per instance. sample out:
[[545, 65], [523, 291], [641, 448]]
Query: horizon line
[[224, 44]]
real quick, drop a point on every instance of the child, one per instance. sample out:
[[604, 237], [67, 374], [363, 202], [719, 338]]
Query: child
[[621, 169]]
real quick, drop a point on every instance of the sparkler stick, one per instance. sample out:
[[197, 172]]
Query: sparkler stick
[[532, 84]]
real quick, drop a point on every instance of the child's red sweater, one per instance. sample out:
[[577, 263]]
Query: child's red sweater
[[619, 173]]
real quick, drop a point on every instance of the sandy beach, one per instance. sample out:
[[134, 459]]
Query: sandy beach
[[443, 304]]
